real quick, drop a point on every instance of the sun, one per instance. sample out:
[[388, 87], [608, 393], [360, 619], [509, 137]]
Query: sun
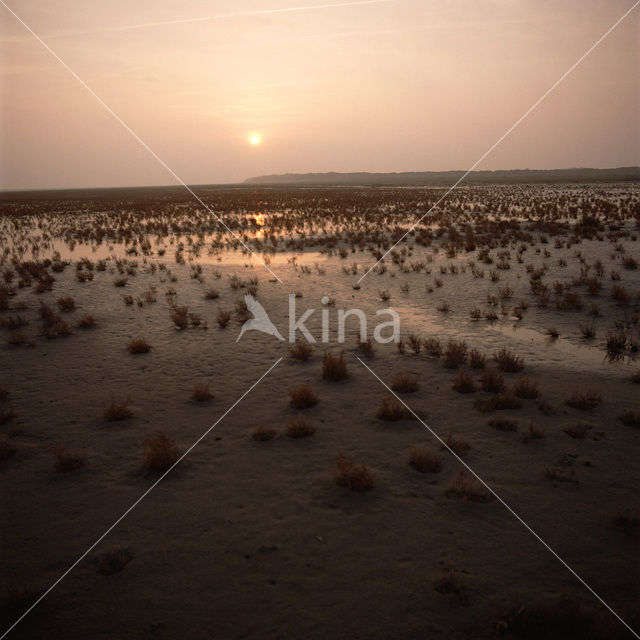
[[255, 139]]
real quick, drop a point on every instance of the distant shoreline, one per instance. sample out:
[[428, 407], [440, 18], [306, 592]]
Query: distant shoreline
[[448, 178]]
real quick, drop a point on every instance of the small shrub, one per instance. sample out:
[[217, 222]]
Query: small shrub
[[433, 347], [492, 381], [66, 303], [508, 361], [66, 460], [299, 427], [630, 418], [458, 445], [366, 347], [391, 410], [455, 354], [111, 562], [577, 431], [405, 383], [301, 351], [334, 368], [425, 460], [303, 397], [464, 382], [499, 402], [180, 316], [87, 322], [414, 342], [465, 487], [347, 473], [585, 401], [525, 388], [223, 318], [160, 453], [115, 411], [477, 359], [262, 433], [138, 346], [201, 392], [553, 333], [120, 282], [212, 294], [534, 432], [503, 424]]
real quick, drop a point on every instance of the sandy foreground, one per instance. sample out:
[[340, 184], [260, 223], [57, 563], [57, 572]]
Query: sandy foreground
[[255, 539]]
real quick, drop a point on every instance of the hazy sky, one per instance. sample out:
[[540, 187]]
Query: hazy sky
[[399, 85]]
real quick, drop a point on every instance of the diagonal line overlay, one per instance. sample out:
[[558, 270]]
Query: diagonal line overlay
[[494, 494], [141, 498], [137, 137], [503, 136]]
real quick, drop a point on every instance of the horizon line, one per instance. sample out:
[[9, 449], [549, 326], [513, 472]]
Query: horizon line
[[244, 182]]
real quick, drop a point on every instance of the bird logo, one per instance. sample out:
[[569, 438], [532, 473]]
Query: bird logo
[[260, 320]]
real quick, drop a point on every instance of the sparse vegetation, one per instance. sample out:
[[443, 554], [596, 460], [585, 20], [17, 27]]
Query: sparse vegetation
[[425, 460], [347, 473], [300, 427], [334, 368], [115, 411], [303, 397], [160, 453], [138, 345], [201, 392], [405, 383]]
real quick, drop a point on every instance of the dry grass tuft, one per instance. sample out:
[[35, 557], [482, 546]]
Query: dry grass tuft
[[499, 402], [223, 318], [301, 351], [347, 473], [577, 431], [630, 418], [66, 460], [455, 354], [534, 432], [503, 424], [160, 453], [138, 346], [525, 388], [477, 359], [492, 381], [201, 392], [115, 411], [111, 562], [366, 347], [391, 410], [425, 460], [299, 427], [405, 383], [459, 446], [508, 361], [463, 486], [334, 368], [303, 397], [66, 303], [464, 382], [87, 322], [262, 433], [585, 401]]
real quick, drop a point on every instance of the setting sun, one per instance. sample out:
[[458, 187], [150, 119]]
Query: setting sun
[[255, 139]]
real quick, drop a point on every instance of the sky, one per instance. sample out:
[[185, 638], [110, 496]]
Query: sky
[[388, 85]]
